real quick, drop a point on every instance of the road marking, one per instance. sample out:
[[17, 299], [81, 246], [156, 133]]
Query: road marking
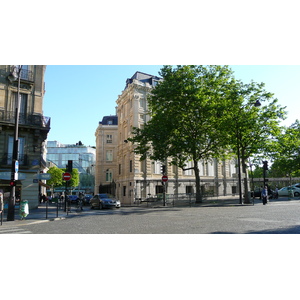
[[259, 220], [13, 230]]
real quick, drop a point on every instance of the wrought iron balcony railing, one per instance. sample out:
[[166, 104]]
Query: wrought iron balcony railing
[[7, 159], [25, 119], [26, 75]]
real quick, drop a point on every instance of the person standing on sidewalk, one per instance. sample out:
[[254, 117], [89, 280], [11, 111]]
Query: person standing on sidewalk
[[264, 195]]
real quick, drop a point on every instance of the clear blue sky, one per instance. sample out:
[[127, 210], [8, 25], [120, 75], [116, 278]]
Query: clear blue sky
[[78, 96]]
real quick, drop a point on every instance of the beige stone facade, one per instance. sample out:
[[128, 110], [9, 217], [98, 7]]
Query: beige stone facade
[[106, 155], [33, 130], [136, 180]]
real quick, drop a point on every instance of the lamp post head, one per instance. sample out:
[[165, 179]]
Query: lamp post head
[[257, 103]]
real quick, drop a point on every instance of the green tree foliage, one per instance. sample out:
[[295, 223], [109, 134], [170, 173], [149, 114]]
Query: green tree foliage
[[56, 177], [75, 178], [185, 110], [249, 126], [285, 150], [202, 112]]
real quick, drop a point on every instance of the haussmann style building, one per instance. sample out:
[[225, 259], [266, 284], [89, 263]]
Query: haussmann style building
[[33, 129], [131, 180]]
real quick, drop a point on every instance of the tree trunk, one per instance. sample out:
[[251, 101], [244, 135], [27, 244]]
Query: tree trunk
[[246, 196], [198, 187]]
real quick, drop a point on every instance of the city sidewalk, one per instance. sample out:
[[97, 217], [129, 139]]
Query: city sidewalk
[[38, 215], [44, 214]]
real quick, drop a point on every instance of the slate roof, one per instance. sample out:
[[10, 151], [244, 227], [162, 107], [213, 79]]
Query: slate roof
[[109, 120]]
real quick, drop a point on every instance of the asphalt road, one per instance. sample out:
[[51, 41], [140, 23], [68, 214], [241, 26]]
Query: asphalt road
[[281, 217]]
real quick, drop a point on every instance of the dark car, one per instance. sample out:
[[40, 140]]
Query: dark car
[[87, 199], [104, 201], [73, 198], [257, 193]]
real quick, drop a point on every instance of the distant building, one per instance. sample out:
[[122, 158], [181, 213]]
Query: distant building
[[134, 179], [83, 158], [106, 155], [33, 130]]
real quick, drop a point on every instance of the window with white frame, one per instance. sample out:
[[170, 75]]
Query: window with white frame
[[108, 175], [210, 168], [109, 155], [189, 164]]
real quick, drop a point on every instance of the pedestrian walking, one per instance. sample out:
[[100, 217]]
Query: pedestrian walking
[[264, 195]]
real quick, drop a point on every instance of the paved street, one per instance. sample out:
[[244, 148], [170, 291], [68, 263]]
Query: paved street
[[276, 217]]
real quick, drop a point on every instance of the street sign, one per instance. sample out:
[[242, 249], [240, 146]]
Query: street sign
[[164, 178], [44, 176], [7, 176], [67, 176], [17, 166]]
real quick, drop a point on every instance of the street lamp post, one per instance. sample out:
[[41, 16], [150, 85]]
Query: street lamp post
[[16, 74], [256, 104]]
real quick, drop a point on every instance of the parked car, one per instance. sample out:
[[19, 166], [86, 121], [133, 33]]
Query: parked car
[[87, 199], [297, 185], [73, 198], [257, 192], [286, 191], [104, 201]]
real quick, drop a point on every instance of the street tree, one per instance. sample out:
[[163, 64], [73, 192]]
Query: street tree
[[285, 151], [56, 177], [74, 178], [252, 119], [186, 108]]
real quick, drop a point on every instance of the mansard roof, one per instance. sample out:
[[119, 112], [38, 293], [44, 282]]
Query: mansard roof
[[109, 120], [143, 77]]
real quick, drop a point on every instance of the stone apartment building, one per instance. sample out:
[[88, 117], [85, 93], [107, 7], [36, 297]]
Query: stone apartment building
[[106, 155], [134, 179], [33, 130]]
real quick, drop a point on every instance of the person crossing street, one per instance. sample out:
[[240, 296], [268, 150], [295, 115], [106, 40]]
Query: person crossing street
[[264, 195]]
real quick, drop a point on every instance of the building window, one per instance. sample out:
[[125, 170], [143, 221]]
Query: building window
[[189, 172], [109, 155], [189, 189], [109, 138], [21, 157], [124, 190], [120, 169], [130, 166], [108, 175]]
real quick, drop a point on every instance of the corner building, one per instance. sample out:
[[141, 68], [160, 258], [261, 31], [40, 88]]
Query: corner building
[[136, 180], [32, 135]]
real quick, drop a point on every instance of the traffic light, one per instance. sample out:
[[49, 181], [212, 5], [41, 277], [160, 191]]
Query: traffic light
[[70, 166], [265, 165], [12, 183], [163, 169]]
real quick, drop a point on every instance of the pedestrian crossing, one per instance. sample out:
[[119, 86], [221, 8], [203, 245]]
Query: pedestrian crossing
[[13, 230]]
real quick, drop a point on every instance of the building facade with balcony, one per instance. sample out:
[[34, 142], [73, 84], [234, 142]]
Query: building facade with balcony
[[136, 180], [33, 130], [83, 158]]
